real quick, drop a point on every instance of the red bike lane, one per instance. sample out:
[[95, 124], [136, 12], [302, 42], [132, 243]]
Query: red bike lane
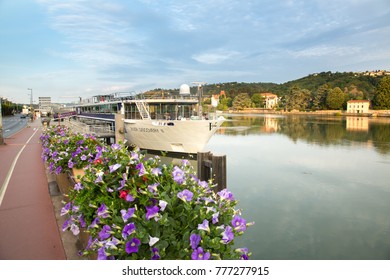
[[28, 227]]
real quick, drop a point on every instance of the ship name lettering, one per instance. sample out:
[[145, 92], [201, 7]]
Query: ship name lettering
[[152, 130]]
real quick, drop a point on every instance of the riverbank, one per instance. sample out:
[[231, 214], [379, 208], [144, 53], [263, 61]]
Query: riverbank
[[371, 113]]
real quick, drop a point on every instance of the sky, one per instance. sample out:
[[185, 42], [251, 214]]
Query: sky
[[74, 48]]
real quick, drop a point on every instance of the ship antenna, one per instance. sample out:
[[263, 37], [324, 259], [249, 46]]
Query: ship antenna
[[200, 96]]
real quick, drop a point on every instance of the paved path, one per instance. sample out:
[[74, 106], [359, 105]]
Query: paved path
[[28, 226]]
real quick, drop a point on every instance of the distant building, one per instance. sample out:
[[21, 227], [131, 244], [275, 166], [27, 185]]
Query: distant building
[[45, 105], [270, 100], [358, 106]]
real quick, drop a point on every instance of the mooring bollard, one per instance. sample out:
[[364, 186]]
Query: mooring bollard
[[212, 167]]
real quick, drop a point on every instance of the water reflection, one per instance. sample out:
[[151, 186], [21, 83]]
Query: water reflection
[[314, 129], [316, 187]]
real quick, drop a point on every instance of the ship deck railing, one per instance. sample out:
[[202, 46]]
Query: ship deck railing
[[97, 130]]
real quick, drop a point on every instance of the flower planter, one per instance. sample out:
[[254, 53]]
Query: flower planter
[[77, 173], [63, 183], [82, 243]]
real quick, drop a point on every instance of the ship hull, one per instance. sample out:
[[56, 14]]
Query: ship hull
[[183, 136]]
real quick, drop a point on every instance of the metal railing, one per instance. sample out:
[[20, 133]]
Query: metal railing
[[98, 130]]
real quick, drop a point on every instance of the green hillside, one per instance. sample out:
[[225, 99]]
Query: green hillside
[[312, 92]]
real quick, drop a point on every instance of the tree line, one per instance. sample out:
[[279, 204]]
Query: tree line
[[315, 92]]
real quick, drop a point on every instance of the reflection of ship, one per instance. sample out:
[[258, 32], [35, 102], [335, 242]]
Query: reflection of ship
[[357, 123], [173, 124]]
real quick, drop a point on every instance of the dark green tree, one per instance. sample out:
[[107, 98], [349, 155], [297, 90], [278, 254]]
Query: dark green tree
[[319, 97], [242, 101], [298, 99], [258, 100], [382, 97], [335, 99]]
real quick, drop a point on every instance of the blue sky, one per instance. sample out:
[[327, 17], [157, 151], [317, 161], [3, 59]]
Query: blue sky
[[70, 48]]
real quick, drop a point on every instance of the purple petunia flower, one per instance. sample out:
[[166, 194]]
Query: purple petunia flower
[[83, 157], [51, 166], [204, 225], [142, 171], [65, 210], [82, 221], [151, 212], [185, 195], [134, 155], [105, 232], [178, 175], [102, 211], [244, 253], [156, 171], [102, 254], [123, 182], [94, 223], [194, 240], [203, 184], [111, 244], [227, 235], [128, 230], [78, 186], [153, 188], [115, 146], [58, 170], [132, 245], [65, 225], [239, 224], [215, 218], [155, 254], [199, 254], [114, 167], [70, 164], [226, 195], [127, 214], [129, 198]]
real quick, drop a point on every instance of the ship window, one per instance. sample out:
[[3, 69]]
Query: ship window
[[131, 112]]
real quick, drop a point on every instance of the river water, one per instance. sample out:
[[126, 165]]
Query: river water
[[316, 187]]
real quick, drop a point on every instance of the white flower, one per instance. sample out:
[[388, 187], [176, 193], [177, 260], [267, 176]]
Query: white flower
[[153, 240], [162, 204]]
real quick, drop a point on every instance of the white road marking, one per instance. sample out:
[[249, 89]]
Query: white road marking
[[11, 170]]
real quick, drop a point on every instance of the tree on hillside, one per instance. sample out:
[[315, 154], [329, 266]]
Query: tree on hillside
[[242, 101], [224, 103], [319, 97], [353, 93], [335, 99], [382, 97], [258, 100], [298, 99]]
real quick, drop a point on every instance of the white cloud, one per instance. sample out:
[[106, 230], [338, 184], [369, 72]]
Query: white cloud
[[215, 57]]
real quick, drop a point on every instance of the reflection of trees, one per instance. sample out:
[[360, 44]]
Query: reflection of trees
[[380, 135], [316, 130], [321, 132], [333, 132]]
